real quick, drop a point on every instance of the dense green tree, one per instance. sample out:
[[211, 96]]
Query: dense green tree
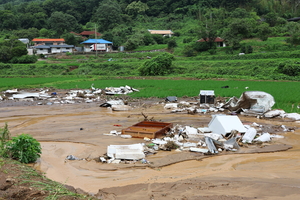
[[271, 18], [61, 22], [136, 8], [70, 39], [45, 33], [263, 31], [9, 20], [108, 15], [19, 51], [27, 33], [237, 30], [5, 54]]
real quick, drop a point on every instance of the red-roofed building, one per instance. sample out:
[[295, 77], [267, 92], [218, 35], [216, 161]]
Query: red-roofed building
[[48, 41], [218, 40], [88, 33]]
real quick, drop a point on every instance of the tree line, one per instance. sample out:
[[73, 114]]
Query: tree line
[[125, 22]]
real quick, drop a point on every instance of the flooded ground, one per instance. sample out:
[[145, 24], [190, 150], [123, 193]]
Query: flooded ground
[[78, 130]]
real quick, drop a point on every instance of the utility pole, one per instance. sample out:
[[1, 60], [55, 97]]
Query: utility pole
[[96, 42]]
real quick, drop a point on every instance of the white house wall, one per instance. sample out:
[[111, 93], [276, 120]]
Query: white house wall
[[42, 51], [61, 50]]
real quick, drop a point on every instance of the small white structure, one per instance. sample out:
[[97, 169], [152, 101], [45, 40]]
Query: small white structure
[[162, 32], [207, 96], [224, 124]]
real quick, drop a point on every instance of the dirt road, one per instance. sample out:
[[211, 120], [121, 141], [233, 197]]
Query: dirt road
[[78, 129]]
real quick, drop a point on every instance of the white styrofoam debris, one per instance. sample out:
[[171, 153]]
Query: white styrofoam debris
[[116, 102], [274, 113], [171, 106], [190, 130], [198, 150], [25, 95], [102, 159], [284, 128], [184, 103], [158, 141], [277, 136], [265, 137], [130, 152], [214, 136], [249, 135], [189, 144], [126, 136], [120, 107], [293, 116], [204, 130]]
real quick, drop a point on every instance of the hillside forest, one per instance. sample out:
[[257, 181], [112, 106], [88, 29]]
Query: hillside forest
[[125, 22]]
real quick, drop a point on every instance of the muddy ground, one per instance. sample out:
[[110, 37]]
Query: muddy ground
[[269, 171]]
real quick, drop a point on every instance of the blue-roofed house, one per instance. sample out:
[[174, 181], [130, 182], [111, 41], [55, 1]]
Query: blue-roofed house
[[97, 44]]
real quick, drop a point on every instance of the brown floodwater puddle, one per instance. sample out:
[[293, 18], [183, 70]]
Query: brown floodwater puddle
[[78, 130]]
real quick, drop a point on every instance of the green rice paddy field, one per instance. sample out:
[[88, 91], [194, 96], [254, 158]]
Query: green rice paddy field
[[286, 94]]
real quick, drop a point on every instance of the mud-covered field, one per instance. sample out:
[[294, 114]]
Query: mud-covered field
[[268, 171]]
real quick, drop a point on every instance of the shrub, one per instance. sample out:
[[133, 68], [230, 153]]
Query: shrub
[[24, 59], [23, 148], [187, 40], [201, 46], [4, 137], [212, 51], [158, 66], [289, 69], [189, 51], [172, 44]]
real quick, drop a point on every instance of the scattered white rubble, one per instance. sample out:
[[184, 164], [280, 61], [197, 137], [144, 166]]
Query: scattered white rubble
[[249, 135], [265, 137], [129, 152], [274, 113], [293, 116], [120, 90], [121, 107]]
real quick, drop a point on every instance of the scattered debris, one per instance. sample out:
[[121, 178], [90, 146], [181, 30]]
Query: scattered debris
[[171, 99], [251, 102], [119, 90]]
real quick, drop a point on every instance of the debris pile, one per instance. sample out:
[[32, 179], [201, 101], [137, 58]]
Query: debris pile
[[224, 133], [50, 96]]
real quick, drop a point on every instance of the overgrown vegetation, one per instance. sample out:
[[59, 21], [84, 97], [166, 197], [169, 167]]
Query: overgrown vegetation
[[23, 148]]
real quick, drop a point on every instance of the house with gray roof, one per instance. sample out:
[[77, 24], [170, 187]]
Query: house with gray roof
[[51, 49]]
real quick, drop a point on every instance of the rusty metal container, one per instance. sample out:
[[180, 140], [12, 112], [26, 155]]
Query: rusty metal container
[[148, 129]]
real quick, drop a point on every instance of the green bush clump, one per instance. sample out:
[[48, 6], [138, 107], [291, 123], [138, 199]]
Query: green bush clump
[[24, 59], [289, 69], [158, 66], [23, 148]]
